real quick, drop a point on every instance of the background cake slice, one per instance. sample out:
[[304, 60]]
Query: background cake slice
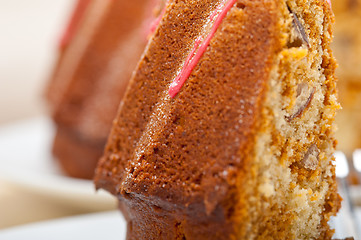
[[100, 50], [347, 48], [226, 128]]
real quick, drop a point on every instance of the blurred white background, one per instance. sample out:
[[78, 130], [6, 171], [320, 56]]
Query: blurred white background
[[29, 32]]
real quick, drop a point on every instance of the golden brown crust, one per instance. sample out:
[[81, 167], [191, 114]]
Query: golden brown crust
[[137, 112], [167, 165]]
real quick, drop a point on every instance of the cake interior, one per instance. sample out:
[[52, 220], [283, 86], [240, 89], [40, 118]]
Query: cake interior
[[293, 168]]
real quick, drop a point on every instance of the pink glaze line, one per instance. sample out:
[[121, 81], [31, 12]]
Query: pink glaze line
[[73, 23], [149, 18], [195, 55], [156, 21], [329, 2], [186, 71], [216, 11]]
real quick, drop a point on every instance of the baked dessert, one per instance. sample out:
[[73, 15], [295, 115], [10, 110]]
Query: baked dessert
[[100, 51], [347, 48], [55, 86], [226, 128]]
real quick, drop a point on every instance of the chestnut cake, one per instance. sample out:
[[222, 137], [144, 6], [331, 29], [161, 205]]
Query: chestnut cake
[[100, 50], [226, 128]]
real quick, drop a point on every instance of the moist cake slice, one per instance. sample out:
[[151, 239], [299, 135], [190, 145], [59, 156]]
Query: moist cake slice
[[226, 129]]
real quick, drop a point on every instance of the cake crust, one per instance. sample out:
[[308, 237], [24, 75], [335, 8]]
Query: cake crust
[[180, 113]]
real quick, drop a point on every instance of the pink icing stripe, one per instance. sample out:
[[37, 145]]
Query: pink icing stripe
[[156, 21], [329, 2], [194, 57], [216, 11], [186, 71]]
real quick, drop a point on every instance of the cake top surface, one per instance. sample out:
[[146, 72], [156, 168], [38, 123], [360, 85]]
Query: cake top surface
[[182, 144]]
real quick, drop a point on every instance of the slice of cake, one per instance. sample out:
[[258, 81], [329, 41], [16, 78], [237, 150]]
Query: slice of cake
[[226, 128], [100, 51], [347, 48], [56, 85]]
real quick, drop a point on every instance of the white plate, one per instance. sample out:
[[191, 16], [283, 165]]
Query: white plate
[[108, 225], [26, 161], [105, 225]]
